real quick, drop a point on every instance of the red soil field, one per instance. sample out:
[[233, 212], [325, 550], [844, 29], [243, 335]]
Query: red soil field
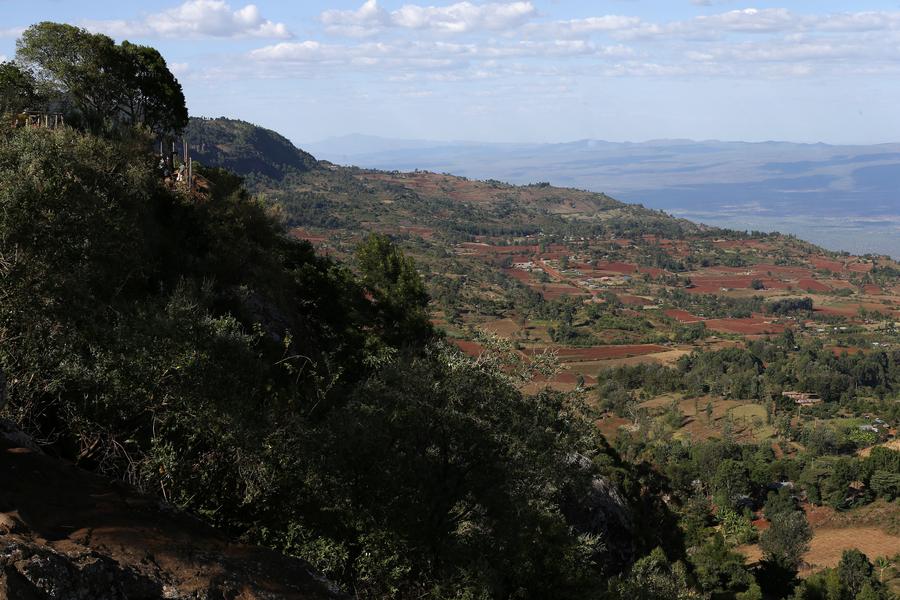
[[423, 232], [748, 326], [630, 300], [520, 275], [653, 271], [552, 291], [616, 267], [839, 284], [787, 271], [813, 285], [301, 234], [872, 289], [568, 378], [851, 351], [860, 267], [471, 348], [825, 263], [601, 352], [682, 316]]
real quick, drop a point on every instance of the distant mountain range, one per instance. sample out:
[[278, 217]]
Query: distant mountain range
[[842, 197]]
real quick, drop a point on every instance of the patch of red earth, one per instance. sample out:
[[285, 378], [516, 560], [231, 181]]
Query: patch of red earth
[[728, 244], [761, 524], [553, 291], [471, 348], [746, 326], [872, 289], [630, 300], [824, 263], [616, 267], [654, 272], [567, 354], [567, 378], [812, 285], [711, 285], [850, 351], [682, 316], [422, 232], [609, 425], [782, 270], [839, 284], [480, 248], [860, 267], [301, 234], [520, 275], [838, 311], [818, 515]]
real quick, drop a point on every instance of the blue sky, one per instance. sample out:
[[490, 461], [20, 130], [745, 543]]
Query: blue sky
[[522, 70]]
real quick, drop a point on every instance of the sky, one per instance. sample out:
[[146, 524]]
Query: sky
[[522, 70]]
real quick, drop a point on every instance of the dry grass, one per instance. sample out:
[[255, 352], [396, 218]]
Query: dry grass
[[873, 530], [828, 544]]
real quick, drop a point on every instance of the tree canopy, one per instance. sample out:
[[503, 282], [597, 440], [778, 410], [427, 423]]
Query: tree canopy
[[105, 84]]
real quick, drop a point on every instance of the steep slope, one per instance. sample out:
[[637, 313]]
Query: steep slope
[[244, 148], [323, 195], [65, 533]]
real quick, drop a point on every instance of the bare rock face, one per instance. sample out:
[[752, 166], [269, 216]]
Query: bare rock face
[[601, 510], [66, 534]]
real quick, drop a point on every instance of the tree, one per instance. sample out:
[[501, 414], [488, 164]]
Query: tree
[[779, 502], [74, 62], [108, 84], [151, 96], [885, 484], [718, 569], [867, 593], [787, 540], [18, 89], [392, 280], [655, 578], [753, 593], [855, 571], [883, 564], [731, 481]]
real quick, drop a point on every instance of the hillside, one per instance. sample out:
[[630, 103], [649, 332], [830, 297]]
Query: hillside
[[67, 533], [327, 196], [681, 337], [244, 148], [840, 196], [183, 344]]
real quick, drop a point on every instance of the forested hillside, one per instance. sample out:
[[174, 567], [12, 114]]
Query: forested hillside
[[190, 347], [420, 385]]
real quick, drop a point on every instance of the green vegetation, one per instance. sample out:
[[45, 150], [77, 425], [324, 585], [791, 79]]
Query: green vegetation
[[194, 350], [190, 345], [98, 83]]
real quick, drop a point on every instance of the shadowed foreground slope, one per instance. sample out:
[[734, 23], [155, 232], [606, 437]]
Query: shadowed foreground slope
[[66, 533]]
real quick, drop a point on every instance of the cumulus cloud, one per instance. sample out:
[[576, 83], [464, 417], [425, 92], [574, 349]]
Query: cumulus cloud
[[512, 39], [461, 17], [198, 18]]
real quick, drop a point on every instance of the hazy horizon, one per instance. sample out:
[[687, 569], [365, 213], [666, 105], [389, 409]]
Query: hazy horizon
[[300, 143]]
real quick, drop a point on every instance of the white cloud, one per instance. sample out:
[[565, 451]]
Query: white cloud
[[747, 43], [11, 32], [198, 18], [461, 17]]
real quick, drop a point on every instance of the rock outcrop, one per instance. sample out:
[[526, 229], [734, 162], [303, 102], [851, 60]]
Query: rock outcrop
[[66, 534]]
